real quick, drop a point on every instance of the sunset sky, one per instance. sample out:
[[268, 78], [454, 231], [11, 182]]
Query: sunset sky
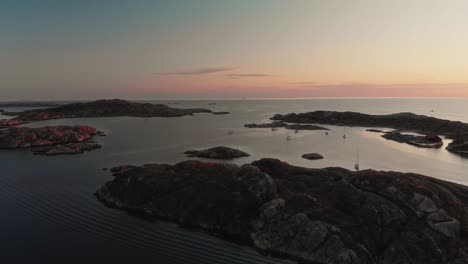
[[68, 50]]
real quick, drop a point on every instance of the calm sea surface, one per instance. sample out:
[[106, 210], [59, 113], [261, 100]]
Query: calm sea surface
[[49, 213]]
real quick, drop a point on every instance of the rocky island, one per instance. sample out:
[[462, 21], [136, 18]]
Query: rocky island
[[104, 108], [220, 152], [330, 215], [277, 124], [455, 130], [428, 141], [312, 156], [50, 140]]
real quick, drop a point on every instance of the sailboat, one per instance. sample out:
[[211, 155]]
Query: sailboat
[[356, 165], [344, 133]]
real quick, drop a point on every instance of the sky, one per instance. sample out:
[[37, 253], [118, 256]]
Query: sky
[[195, 49]]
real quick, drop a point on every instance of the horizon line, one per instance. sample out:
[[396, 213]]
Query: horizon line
[[241, 98]]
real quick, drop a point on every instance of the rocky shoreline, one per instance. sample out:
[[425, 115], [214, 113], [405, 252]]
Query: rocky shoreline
[[455, 130], [50, 140], [430, 141], [330, 215]]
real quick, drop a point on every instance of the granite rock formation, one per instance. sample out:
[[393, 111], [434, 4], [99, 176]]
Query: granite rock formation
[[330, 215]]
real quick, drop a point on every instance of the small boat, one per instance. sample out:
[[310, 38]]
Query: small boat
[[274, 129], [288, 138], [230, 132], [344, 136], [326, 133], [296, 131], [356, 165]]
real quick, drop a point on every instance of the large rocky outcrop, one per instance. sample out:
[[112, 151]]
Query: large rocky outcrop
[[403, 121], [104, 108], [50, 140], [328, 215]]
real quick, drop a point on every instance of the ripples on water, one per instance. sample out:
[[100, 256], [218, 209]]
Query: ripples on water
[[49, 212]]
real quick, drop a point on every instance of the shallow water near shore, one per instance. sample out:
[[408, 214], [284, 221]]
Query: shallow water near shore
[[49, 211]]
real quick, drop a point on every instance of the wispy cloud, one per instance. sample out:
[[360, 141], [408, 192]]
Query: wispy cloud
[[239, 75], [302, 83], [200, 71]]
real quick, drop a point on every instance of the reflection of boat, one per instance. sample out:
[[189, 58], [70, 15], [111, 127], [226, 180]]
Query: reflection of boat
[[356, 165], [288, 138], [344, 136]]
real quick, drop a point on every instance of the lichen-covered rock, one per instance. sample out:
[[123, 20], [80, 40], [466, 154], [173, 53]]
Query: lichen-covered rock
[[5, 123], [323, 216], [70, 148], [50, 140]]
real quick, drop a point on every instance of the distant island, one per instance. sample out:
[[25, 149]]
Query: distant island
[[330, 215], [455, 130], [28, 104], [104, 108]]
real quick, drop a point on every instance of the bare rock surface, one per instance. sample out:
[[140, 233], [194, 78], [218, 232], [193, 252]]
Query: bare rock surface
[[330, 215]]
